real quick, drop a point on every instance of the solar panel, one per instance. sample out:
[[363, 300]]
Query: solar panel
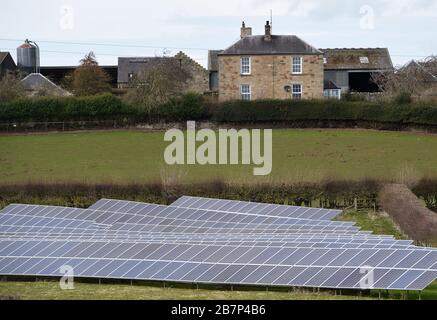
[[254, 208], [207, 241]]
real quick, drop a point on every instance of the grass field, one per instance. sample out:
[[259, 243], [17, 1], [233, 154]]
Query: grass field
[[133, 156], [50, 290]]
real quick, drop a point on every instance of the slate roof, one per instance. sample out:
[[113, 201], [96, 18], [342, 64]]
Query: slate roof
[[3, 55], [35, 82], [349, 59], [279, 44], [135, 65]]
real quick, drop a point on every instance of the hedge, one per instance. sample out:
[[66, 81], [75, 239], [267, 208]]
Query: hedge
[[63, 109], [193, 107], [273, 110]]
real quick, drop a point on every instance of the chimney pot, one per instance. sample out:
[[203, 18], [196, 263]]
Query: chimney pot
[[268, 33], [245, 31]]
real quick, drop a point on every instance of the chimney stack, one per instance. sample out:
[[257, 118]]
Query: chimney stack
[[268, 34], [245, 32]]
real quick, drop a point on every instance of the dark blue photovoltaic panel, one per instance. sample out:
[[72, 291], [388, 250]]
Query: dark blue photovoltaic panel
[[208, 241]]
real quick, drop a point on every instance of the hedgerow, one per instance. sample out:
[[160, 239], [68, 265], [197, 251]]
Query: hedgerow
[[193, 107]]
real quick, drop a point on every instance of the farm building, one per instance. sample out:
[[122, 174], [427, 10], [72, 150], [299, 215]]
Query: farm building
[[7, 64], [196, 80], [282, 67], [424, 71], [352, 69], [270, 67], [36, 84], [58, 73]]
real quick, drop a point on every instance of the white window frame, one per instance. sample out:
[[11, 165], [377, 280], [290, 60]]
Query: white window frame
[[246, 96], [296, 92], [332, 93], [300, 65], [243, 72]]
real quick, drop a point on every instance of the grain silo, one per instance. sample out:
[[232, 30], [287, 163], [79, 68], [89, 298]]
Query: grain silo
[[28, 57]]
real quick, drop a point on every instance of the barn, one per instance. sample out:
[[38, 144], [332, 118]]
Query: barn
[[352, 69]]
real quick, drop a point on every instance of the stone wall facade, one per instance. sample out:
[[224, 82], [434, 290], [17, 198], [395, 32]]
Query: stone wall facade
[[199, 76], [270, 75]]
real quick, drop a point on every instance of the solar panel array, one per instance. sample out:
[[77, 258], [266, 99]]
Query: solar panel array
[[201, 240]]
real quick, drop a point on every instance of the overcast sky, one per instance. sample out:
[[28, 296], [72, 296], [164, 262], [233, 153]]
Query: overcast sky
[[65, 30]]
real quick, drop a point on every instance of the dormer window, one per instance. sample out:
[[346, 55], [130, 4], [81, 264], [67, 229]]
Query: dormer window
[[364, 60], [245, 66], [297, 65]]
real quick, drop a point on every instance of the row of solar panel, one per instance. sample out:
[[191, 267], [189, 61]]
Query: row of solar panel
[[249, 237], [192, 272], [187, 230], [255, 208], [146, 211], [409, 258], [296, 244], [198, 213], [328, 245], [193, 226]]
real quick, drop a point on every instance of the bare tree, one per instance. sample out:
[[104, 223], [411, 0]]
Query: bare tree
[[158, 84], [415, 78]]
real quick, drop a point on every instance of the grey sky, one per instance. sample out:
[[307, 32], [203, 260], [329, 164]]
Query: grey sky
[[139, 28]]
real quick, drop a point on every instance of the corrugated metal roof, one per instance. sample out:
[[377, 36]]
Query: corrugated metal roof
[[257, 45], [357, 59]]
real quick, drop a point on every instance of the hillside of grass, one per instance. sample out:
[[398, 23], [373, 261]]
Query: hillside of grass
[[298, 156]]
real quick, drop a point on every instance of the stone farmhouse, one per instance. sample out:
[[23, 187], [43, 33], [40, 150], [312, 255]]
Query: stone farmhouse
[[286, 67]]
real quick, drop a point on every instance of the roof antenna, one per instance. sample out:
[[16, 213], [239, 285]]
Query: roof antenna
[[271, 18]]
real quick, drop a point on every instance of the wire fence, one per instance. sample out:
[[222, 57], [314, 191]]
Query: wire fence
[[64, 126]]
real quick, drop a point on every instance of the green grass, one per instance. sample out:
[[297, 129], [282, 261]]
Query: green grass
[[50, 290], [378, 222], [133, 156]]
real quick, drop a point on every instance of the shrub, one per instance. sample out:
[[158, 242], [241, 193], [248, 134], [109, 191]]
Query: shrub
[[188, 107], [324, 110], [403, 98], [63, 109]]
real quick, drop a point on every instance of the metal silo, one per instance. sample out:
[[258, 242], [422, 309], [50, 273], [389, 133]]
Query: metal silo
[[28, 57]]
